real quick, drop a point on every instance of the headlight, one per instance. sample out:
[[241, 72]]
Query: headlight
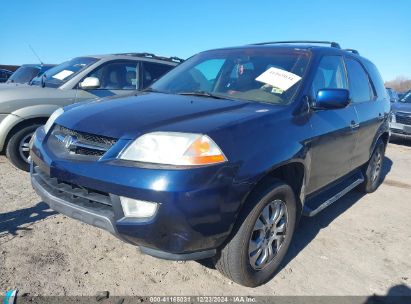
[[173, 148], [52, 119]]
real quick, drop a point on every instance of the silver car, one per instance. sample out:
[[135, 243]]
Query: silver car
[[24, 109]]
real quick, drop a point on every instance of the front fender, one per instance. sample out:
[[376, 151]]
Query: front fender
[[6, 125], [36, 111], [21, 115]]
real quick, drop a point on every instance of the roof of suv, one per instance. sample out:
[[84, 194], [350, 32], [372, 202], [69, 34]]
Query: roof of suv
[[34, 65], [316, 46], [144, 56]]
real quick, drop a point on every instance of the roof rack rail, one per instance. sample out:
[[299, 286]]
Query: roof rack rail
[[352, 51], [331, 43], [150, 55]]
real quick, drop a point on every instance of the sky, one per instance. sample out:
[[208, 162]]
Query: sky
[[59, 30]]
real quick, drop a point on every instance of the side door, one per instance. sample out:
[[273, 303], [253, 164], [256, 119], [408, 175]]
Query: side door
[[118, 77], [368, 106], [152, 71], [334, 131]]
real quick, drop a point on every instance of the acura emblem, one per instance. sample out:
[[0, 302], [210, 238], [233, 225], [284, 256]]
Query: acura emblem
[[70, 142]]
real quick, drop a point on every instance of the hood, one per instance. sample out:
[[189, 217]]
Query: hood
[[13, 98], [127, 117], [401, 107]]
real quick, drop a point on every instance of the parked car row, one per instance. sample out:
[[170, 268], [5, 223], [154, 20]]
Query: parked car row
[[24, 109], [393, 95], [219, 158], [400, 125], [26, 73], [5, 75]]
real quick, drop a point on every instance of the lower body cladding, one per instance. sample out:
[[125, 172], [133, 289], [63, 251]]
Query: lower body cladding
[[190, 222], [400, 130]]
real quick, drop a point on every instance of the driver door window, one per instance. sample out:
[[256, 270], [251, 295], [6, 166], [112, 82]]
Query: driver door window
[[330, 75], [117, 76]]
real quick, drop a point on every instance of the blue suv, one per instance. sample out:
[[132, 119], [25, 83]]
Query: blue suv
[[220, 157]]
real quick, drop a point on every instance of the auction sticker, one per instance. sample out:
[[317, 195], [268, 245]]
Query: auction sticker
[[63, 74], [278, 78]]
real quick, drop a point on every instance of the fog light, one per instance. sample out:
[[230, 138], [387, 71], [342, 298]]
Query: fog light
[[137, 208]]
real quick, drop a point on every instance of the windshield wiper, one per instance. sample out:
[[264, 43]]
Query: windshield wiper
[[151, 90], [203, 94]]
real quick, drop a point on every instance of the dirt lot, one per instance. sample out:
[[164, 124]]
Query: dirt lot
[[361, 245]]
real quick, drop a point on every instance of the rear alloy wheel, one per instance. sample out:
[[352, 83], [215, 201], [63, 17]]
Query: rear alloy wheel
[[373, 171], [18, 150], [261, 239]]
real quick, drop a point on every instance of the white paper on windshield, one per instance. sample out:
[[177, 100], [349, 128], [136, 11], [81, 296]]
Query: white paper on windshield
[[278, 78], [63, 74]]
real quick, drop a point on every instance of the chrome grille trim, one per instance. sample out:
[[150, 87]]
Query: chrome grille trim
[[69, 143]]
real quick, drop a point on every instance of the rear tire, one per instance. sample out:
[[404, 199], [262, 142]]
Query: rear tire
[[373, 169], [264, 230], [17, 150]]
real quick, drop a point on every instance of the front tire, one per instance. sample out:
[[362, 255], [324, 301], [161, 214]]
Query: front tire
[[373, 170], [261, 241], [17, 150]]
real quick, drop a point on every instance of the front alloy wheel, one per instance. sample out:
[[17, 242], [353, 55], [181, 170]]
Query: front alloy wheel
[[268, 234], [18, 150], [24, 148], [261, 237]]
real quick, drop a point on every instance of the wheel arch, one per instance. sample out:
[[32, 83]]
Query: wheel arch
[[23, 117], [291, 172], [385, 137], [22, 124]]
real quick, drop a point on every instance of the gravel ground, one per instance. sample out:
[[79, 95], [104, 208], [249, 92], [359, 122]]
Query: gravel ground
[[361, 245]]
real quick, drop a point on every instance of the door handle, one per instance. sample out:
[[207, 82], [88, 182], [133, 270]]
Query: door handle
[[354, 125]]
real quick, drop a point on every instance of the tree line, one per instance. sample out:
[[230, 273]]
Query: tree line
[[400, 84]]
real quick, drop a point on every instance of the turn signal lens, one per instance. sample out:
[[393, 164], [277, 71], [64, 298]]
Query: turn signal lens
[[204, 151]]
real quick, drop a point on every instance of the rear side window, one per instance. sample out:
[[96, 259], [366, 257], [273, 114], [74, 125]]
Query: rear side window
[[330, 74], [360, 89], [153, 71], [376, 79]]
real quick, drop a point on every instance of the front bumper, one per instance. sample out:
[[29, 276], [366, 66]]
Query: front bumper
[[398, 129], [198, 207]]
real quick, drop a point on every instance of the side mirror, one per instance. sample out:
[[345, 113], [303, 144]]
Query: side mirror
[[90, 83], [331, 99]]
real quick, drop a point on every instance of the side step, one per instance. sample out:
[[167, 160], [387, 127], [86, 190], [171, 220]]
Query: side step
[[321, 201]]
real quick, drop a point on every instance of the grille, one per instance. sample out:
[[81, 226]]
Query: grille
[[403, 118], [96, 140], [71, 143], [82, 196]]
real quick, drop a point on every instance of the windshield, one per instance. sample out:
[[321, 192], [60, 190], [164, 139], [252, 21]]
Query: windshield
[[260, 74], [61, 73], [24, 74], [406, 98]]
